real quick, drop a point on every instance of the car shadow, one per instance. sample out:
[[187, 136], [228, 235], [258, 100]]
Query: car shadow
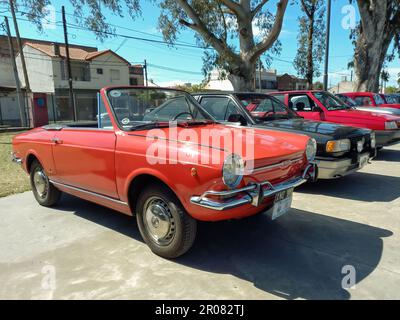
[[360, 186], [300, 255], [388, 155]]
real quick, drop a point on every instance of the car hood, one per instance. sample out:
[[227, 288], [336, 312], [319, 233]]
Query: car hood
[[263, 146], [390, 105], [379, 110], [363, 115], [320, 131]]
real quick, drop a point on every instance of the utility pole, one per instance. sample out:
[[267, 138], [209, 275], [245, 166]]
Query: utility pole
[[259, 74], [328, 29], [21, 52], [69, 73], [30, 109], [20, 100], [145, 72]]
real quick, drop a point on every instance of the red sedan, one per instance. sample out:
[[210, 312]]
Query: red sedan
[[370, 99], [324, 106], [156, 153]]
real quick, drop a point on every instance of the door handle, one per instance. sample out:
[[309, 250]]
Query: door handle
[[56, 140]]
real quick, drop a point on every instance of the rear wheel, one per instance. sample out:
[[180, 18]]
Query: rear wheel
[[163, 223], [45, 193]]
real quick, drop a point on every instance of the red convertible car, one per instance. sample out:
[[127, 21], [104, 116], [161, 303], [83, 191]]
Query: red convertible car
[[324, 106], [157, 154]]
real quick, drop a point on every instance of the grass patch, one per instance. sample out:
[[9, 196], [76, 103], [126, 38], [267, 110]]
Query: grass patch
[[12, 178]]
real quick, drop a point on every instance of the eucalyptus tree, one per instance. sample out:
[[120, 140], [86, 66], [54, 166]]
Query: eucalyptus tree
[[376, 40], [311, 46]]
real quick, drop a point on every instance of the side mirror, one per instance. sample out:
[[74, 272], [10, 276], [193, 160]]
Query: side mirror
[[237, 118]]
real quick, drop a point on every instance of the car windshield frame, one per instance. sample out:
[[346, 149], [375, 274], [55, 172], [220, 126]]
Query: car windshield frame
[[262, 96], [142, 124], [341, 104]]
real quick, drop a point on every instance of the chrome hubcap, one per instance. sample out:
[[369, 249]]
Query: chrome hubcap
[[40, 182], [158, 221]]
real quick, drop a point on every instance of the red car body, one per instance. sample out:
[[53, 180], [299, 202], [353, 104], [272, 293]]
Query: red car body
[[316, 110], [370, 99], [110, 167]]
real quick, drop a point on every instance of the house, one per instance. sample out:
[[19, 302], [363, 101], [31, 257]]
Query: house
[[287, 82], [342, 86], [91, 70], [136, 75], [268, 81]]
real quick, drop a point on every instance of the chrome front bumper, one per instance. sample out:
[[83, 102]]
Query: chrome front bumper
[[332, 169], [253, 194], [385, 138], [15, 159]]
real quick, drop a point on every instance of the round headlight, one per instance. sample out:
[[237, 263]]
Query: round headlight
[[232, 171], [311, 149]]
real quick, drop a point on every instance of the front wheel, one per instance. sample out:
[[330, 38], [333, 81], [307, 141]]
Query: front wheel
[[45, 193], [163, 223]]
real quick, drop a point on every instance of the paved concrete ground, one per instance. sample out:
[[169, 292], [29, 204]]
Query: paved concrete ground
[[98, 254]]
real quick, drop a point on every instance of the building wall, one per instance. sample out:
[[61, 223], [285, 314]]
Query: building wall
[[6, 72], [40, 70], [106, 62], [287, 82], [9, 109], [268, 81], [342, 86]]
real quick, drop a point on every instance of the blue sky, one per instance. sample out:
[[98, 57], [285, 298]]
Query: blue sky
[[190, 59]]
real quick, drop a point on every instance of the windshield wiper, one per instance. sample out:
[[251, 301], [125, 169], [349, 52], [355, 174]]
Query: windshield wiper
[[194, 123], [164, 124], [148, 126]]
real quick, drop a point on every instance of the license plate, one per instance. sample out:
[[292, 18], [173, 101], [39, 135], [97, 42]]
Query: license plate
[[282, 204], [363, 160]]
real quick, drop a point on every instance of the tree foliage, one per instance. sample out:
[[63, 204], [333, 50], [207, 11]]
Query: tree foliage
[[237, 32], [311, 45], [87, 13]]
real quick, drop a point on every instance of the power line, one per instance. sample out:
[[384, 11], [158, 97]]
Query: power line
[[109, 33], [173, 69]]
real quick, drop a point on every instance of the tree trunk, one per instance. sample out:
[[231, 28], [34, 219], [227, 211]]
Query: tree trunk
[[368, 62], [374, 38], [242, 78], [310, 63]]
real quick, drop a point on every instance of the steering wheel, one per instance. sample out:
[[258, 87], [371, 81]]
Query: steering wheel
[[181, 114]]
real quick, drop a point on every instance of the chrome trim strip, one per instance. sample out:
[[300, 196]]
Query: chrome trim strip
[[278, 165], [88, 192]]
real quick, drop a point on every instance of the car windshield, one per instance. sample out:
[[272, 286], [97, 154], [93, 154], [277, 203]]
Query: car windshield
[[347, 100], [330, 101], [379, 100], [390, 99], [265, 107], [137, 108]]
